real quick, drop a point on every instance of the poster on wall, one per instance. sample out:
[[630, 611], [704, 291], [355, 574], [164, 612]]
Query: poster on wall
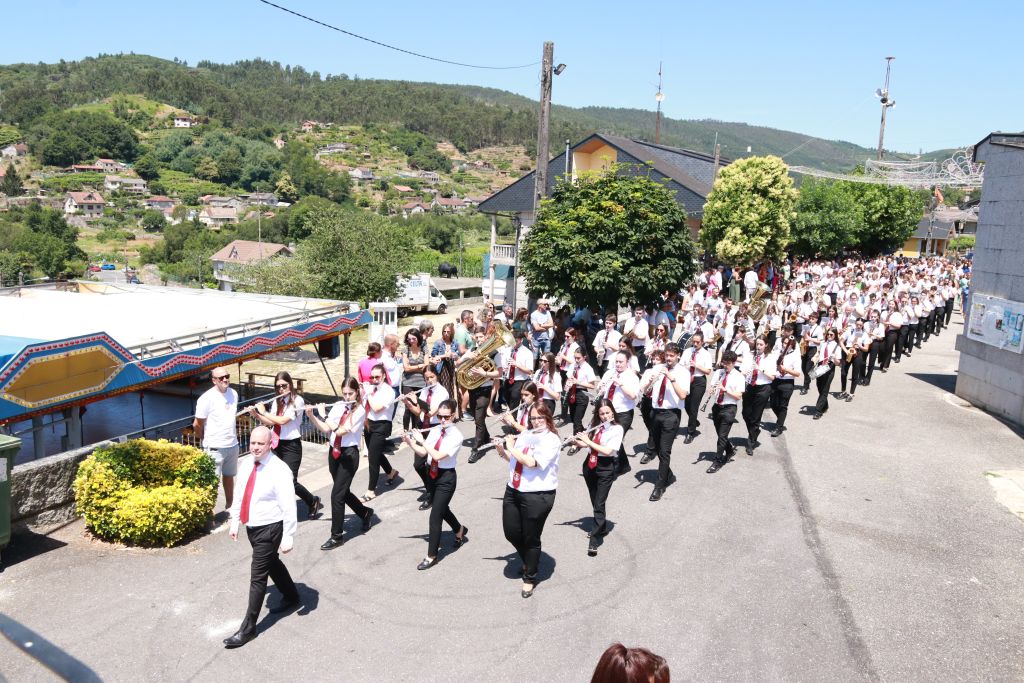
[[997, 322]]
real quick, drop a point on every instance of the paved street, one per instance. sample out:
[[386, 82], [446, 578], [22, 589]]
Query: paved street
[[864, 546]]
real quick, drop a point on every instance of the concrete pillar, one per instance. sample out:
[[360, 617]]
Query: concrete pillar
[[74, 424], [38, 448]]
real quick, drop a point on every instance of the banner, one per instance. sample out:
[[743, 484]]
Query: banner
[[996, 322]]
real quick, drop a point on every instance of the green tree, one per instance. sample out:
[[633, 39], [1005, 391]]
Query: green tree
[[147, 167], [442, 236], [891, 214], [153, 220], [206, 168], [10, 184], [613, 237], [828, 218], [63, 138], [748, 213], [285, 188]]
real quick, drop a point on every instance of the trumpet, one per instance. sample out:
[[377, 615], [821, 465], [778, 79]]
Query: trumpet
[[571, 440]]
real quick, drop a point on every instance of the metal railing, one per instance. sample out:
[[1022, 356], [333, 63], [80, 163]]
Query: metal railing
[[503, 251]]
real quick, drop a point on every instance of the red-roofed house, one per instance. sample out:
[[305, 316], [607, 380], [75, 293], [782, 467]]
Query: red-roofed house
[[413, 208], [452, 205], [216, 216], [404, 189], [159, 202], [89, 204], [86, 168], [240, 253]]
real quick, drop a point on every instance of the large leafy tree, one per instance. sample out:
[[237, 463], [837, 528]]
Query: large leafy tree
[[890, 216], [828, 218], [613, 237], [10, 184], [748, 213]]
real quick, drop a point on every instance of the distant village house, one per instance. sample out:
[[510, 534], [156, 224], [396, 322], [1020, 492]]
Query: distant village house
[[216, 216], [184, 122], [240, 253], [135, 186], [88, 204]]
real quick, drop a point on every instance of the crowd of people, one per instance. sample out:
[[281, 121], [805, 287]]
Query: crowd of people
[[694, 356]]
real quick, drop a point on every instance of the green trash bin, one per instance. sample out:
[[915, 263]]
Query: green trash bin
[[9, 447]]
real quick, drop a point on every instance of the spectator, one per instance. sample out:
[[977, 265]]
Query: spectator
[[621, 664]]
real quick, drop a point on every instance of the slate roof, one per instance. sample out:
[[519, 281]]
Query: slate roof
[[689, 174]]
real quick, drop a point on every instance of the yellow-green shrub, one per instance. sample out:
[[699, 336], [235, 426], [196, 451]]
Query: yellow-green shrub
[[146, 492]]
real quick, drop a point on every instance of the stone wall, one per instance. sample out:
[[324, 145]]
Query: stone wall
[[42, 491], [989, 377]]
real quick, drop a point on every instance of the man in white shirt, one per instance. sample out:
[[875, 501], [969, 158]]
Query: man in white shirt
[[668, 395], [622, 387], [639, 329], [750, 282], [606, 344], [520, 369], [214, 427], [541, 326], [265, 504], [723, 412]]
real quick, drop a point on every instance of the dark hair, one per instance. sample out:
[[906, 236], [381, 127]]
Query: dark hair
[[598, 404], [657, 356], [449, 404], [621, 664], [543, 411], [283, 376], [383, 370], [430, 369], [353, 384], [532, 388], [729, 356], [673, 347], [413, 331], [552, 364], [372, 349]]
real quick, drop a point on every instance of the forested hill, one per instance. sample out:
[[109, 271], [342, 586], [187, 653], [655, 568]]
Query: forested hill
[[259, 93]]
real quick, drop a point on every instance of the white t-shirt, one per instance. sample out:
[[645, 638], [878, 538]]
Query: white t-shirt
[[219, 410], [539, 318], [522, 357]]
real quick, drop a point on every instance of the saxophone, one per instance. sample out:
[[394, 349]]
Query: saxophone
[[470, 380]]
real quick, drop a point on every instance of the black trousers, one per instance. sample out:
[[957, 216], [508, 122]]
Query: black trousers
[[807, 363], [940, 314], [566, 411], [723, 415], [523, 514], [646, 406], [663, 430], [624, 420], [377, 435], [599, 484], [755, 400], [929, 325], [441, 490], [873, 353], [907, 339], [409, 419], [890, 346], [949, 311], [578, 410], [265, 541], [641, 358], [782, 391], [479, 399], [698, 386], [824, 383], [857, 364], [419, 465], [901, 342], [290, 451], [343, 470], [515, 393], [922, 330]]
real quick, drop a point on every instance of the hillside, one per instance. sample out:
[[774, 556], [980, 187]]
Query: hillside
[[258, 93]]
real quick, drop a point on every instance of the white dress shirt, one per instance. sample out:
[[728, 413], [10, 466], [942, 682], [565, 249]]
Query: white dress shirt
[[376, 393], [766, 366], [292, 429], [522, 357], [693, 360], [451, 444], [437, 394], [340, 412], [273, 496], [545, 449], [549, 386], [734, 381], [620, 402], [663, 395]]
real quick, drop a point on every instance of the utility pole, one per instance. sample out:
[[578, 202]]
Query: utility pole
[[540, 187], [659, 96], [883, 95]]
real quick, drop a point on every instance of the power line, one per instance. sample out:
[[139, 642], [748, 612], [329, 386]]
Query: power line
[[392, 47]]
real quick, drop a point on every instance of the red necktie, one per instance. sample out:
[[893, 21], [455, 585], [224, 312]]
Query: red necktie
[[661, 392], [693, 364], [250, 484], [517, 475], [336, 445], [721, 391], [512, 369], [825, 358], [426, 413], [572, 390], [611, 391], [280, 412], [592, 460], [753, 377], [523, 417], [433, 461]]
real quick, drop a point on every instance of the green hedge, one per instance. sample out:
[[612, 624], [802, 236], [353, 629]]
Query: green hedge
[[146, 492], [427, 261]]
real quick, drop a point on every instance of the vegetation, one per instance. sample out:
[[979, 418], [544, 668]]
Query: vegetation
[[10, 184], [40, 242], [962, 243], [146, 492], [748, 213], [9, 135], [611, 238], [828, 218], [891, 215], [62, 138]]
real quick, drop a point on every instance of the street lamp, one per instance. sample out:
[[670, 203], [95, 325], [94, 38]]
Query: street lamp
[[883, 95]]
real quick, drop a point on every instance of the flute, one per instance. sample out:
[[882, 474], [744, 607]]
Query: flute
[[569, 441]]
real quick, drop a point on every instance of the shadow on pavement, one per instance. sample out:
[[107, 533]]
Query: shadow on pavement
[[946, 382], [310, 601], [545, 568], [25, 545]]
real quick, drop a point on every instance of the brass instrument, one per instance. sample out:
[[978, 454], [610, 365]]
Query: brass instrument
[[466, 377], [804, 346], [758, 304], [654, 377], [850, 353]]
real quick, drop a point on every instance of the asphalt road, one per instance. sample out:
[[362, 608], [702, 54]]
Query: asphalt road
[[865, 546]]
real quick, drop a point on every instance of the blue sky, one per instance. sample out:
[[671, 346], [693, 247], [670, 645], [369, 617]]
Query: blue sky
[[808, 67]]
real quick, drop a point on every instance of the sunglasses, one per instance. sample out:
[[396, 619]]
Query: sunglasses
[[217, 379], [282, 386], [444, 417], [376, 378]]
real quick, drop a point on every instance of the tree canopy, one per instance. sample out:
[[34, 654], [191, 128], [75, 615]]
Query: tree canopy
[[613, 237], [828, 218], [748, 213], [68, 137]]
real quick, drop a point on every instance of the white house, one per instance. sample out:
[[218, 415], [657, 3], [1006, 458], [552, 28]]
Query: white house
[[364, 174], [114, 183], [240, 253], [89, 204], [14, 151], [109, 165], [216, 216], [430, 176], [184, 122]]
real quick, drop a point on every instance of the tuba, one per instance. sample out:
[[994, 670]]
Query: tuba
[[501, 337], [758, 304]]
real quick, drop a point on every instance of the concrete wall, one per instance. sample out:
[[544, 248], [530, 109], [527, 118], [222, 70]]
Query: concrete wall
[[42, 491], [989, 377]]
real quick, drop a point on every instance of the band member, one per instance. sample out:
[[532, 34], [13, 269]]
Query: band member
[[813, 335], [422, 406], [789, 364], [518, 421], [763, 371], [893, 320], [579, 380], [480, 399], [637, 330], [379, 400], [606, 344], [519, 369], [600, 465], [654, 368], [827, 357], [723, 412], [440, 448], [344, 423], [265, 504], [565, 359], [284, 418], [621, 386], [670, 388], [697, 360], [548, 381], [857, 341], [908, 330], [530, 491], [876, 333]]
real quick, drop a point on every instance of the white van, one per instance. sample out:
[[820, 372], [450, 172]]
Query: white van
[[417, 294]]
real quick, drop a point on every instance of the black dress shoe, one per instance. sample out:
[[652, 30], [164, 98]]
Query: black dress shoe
[[368, 519], [425, 505], [646, 459], [465, 539], [778, 431], [688, 439], [239, 639], [749, 448], [715, 466], [592, 548], [286, 606], [671, 478], [475, 456], [656, 494], [426, 563], [315, 508], [817, 416], [423, 496], [527, 593], [332, 543]]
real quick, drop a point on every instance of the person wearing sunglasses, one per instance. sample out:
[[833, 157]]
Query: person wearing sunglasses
[[530, 492], [214, 427], [440, 448], [283, 416], [380, 398]]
